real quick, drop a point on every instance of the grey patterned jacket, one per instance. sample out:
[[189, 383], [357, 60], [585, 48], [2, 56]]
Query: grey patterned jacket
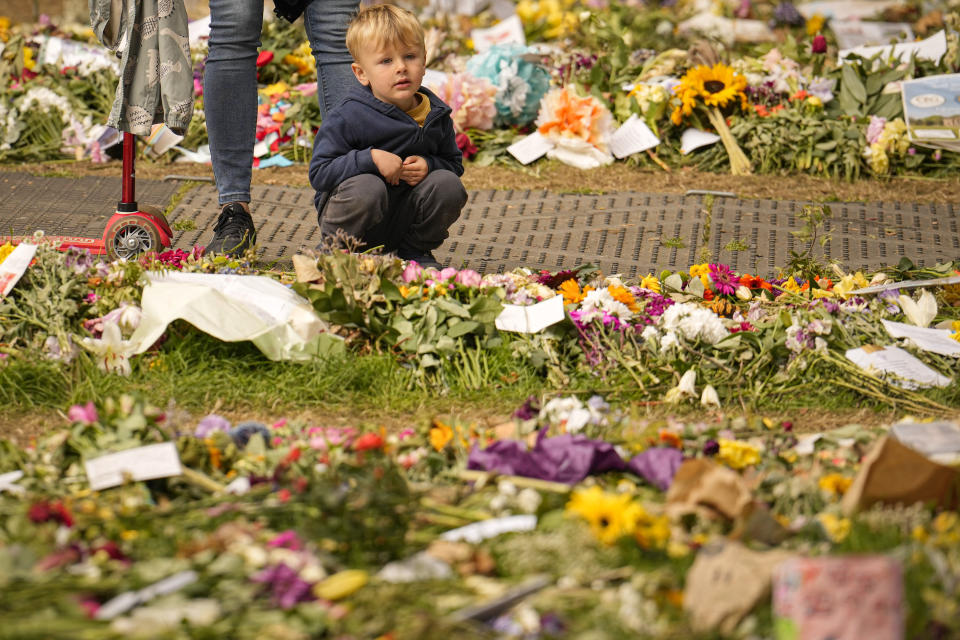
[[156, 74]]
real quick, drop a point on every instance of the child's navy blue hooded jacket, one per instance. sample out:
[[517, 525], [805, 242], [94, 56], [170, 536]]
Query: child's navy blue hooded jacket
[[362, 122]]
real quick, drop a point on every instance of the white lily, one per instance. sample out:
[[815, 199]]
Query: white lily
[[922, 312], [685, 389], [111, 351], [709, 397]]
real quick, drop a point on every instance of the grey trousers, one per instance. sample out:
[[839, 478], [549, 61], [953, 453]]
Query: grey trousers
[[400, 218]]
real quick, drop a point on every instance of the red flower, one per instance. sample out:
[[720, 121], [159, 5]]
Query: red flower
[[264, 58], [283, 494], [819, 44], [368, 441], [44, 511], [466, 146]]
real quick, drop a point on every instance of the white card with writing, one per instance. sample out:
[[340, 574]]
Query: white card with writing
[[633, 136], [530, 318], [143, 463], [509, 31], [894, 360], [928, 339], [695, 138], [528, 149], [13, 268]]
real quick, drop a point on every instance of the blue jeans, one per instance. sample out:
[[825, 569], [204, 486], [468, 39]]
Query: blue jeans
[[230, 80]]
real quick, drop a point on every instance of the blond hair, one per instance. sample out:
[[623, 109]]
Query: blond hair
[[383, 24]]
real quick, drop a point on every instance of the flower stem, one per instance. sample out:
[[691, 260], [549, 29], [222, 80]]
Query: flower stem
[[739, 165]]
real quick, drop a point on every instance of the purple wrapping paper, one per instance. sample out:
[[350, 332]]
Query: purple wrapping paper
[[571, 458]]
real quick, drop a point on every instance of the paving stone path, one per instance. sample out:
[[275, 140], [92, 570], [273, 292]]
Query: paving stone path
[[630, 233]]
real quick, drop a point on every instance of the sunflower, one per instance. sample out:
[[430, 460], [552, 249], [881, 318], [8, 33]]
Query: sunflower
[[610, 515], [716, 86]]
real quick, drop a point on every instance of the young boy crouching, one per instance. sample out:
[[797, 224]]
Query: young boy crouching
[[385, 161]]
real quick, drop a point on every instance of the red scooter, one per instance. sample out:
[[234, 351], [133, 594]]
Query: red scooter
[[132, 230]]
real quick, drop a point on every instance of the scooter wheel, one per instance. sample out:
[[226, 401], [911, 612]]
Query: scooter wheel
[[131, 236]]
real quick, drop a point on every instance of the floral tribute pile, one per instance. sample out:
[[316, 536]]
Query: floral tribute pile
[[760, 74], [296, 530], [575, 514]]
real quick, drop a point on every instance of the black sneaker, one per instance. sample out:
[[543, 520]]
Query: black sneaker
[[423, 258], [234, 232]]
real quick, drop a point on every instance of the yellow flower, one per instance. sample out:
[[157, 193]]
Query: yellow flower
[[815, 24], [716, 86], [945, 521], [4, 28], [790, 284], [440, 435], [275, 88], [955, 327], [650, 282], [835, 484], [620, 294], [571, 292], [610, 515], [701, 271], [653, 532], [837, 529], [28, 61], [5, 250], [848, 283], [129, 534], [919, 534], [736, 454]]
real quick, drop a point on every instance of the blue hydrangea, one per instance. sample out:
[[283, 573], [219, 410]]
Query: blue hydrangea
[[521, 84]]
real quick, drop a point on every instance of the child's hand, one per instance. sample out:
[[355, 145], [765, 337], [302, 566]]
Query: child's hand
[[388, 164], [414, 170]]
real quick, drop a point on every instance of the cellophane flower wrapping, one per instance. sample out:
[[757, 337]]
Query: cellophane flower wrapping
[[520, 83], [580, 126], [472, 100]]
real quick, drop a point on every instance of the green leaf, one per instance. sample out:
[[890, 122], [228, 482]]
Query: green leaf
[[852, 83], [390, 290], [462, 328], [452, 307]]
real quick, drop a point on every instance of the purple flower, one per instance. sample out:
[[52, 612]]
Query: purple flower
[[86, 413], [528, 410], [80, 260], [286, 587], [743, 11], [912, 151], [822, 88], [787, 14], [210, 424], [711, 448], [723, 278]]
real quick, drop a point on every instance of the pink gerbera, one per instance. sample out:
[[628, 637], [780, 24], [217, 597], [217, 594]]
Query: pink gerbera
[[723, 278]]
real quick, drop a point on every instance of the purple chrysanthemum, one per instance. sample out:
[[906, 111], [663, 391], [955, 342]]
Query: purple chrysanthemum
[[725, 282]]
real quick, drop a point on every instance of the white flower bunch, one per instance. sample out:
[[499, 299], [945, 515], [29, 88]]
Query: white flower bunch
[[599, 301], [691, 321], [574, 414]]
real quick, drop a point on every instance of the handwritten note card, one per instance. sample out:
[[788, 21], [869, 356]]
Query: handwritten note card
[[909, 372], [13, 268], [143, 463], [528, 149], [633, 136], [530, 318], [928, 339], [509, 31]]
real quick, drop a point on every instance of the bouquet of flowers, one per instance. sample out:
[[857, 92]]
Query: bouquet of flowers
[[708, 90]]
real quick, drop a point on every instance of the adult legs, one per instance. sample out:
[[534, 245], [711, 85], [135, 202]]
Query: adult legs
[[230, 94], [325, 22]]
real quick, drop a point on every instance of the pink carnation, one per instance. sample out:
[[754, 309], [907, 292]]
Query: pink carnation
[[472, 100]]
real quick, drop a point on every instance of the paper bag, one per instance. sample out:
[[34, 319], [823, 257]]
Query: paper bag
[[893, 473], [725, 582]]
